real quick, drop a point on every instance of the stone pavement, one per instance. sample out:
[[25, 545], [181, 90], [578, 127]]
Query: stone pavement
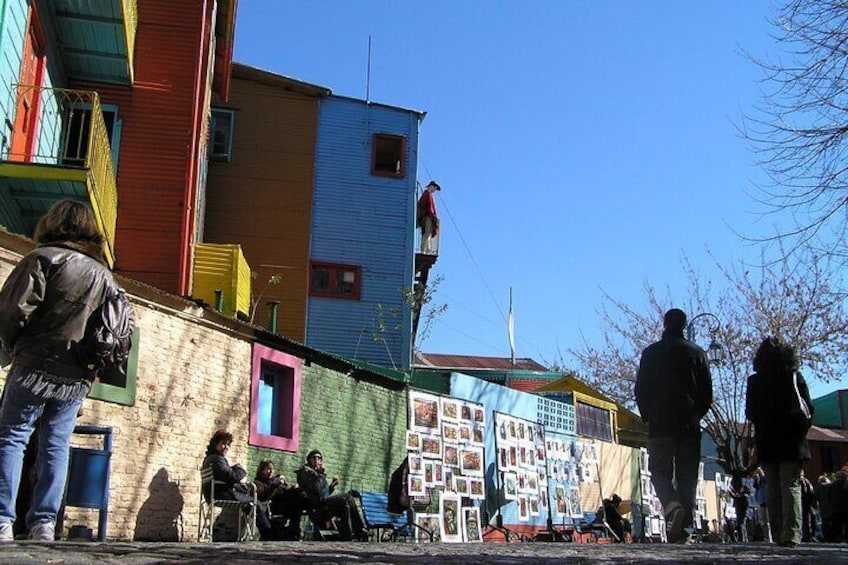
[[539, 553]]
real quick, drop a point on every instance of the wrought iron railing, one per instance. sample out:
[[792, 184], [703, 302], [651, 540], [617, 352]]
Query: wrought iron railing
[[70, 131], [130, 10]]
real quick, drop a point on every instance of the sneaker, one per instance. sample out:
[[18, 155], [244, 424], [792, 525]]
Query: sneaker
[[675, 518], [43, 531], [6, 533]]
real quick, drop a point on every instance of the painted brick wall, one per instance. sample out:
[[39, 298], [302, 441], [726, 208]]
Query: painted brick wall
[[193, 378], [359, 427]]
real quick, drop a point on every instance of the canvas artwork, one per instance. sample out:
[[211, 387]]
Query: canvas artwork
[[510, 486], [523, 509], [534, 505], [479, 416], [450, 409], [543, 497], [574, 507], [513, 433], [428, 524], [413, 441], [450, 432], [429, 473], [415, 464], [522, 431], [438, 473], [503, 459], [478, 435], [502, 431], [513, 456], [424, 412], [449, 472], [464, 433], [416, 485], [451, 455], [560, 499], [471, 460], [431, 447], [460, 485], [476, 488], [465, 413], [471, 530], [450, 513]]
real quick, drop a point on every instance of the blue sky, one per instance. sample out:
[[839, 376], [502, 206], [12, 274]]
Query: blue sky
[[581, 147]]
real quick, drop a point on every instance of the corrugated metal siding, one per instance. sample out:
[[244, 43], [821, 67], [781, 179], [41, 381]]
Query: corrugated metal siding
[[364, 220], [156, 165], [262, 198], [11, 46], [222, 267], [828, 410]]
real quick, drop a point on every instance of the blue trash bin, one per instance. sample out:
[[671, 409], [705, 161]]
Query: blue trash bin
[[88, 476]]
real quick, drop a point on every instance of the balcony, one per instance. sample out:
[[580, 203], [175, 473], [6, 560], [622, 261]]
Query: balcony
[[97, 39], [222, 268], [59, 148]]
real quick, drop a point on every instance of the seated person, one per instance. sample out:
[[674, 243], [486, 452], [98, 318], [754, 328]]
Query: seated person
[[312, 480], [229, 479], [277, 498], [610, 513]]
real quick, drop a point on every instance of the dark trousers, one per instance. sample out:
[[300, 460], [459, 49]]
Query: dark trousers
[[673, 464], [343, 507]]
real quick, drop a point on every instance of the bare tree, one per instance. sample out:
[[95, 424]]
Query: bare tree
[[795, 298], [800, 129]]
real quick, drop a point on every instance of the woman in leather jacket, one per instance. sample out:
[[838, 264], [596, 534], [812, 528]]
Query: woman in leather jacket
[[45, 304]]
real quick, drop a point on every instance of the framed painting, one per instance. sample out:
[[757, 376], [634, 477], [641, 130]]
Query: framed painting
[[476, 488], [424, 412], [428, 524], [575, 510], [471, 530], [510, 486], [479, 415], [413, 441], [450, 518], [471, 460], [416, 466], [523, 509], [431, 447], [451, 455], [450, 432], [416, 485], [460, 485], [450, 409]]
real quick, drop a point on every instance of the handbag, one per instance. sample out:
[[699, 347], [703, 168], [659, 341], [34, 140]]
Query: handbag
[[800, 411]]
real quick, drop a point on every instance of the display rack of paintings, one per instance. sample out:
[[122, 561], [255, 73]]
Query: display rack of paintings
[[563, 471], [652, 517], [522, 464], [445, 444], [701, 500]]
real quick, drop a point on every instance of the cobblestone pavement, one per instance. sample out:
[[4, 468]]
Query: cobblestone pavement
[[68, 553]]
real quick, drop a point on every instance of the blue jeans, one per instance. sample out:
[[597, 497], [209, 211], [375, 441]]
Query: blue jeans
[[673, 464], [18, 414], [784, 500]]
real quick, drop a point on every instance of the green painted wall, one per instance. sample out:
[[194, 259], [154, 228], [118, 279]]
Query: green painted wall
[[359, 427], [828, 410]]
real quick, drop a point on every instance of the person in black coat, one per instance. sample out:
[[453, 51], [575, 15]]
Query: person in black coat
[[778, 404], [674, 392]]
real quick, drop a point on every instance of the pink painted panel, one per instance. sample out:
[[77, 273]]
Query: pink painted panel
[[262, 354]]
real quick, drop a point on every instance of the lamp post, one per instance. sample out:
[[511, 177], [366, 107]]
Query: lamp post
[[714, 350]]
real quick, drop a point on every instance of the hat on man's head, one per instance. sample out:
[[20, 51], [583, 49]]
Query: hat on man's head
[[312, 454], [674, 318], [434, 184]]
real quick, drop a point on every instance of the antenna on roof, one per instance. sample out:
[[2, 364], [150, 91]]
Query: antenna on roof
[[368, 73]]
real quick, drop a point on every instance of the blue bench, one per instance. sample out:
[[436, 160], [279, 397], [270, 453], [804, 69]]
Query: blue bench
[[387, 526]]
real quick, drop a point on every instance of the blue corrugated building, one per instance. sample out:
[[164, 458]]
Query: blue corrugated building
[[362, 255]]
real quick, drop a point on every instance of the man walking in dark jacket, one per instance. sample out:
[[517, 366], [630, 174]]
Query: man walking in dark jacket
[[674, 391]]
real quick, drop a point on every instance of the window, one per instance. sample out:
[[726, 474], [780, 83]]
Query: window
[[79, 128], [117, 387], [221, 134], [334, 281], [275, 399], [831, 462], [593, 422], [387, 155]]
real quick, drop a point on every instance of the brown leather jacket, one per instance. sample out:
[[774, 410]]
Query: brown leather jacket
[[45, 304]]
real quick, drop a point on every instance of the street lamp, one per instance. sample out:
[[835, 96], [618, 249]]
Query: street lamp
[[714, 350]]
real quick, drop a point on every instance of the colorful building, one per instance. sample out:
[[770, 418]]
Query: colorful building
[[108, 102], [319, 191]]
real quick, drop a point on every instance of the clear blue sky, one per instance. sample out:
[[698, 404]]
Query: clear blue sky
[[580, 146]]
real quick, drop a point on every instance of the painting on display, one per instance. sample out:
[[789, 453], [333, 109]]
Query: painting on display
[[413, 441], [424, 412], [450, 409], [431, 447], [471, 460], [575, 510], [471, 531], [451, 516], [428, 524]]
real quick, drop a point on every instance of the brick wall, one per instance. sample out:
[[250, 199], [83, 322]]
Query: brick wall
[[359, 427], [192, 379]]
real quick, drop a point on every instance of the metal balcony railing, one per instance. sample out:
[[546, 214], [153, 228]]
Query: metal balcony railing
[[69, 130]]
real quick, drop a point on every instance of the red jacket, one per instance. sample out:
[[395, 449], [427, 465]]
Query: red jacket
[[427, 208]]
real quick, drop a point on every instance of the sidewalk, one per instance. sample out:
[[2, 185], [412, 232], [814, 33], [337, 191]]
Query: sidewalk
[[144, 553]]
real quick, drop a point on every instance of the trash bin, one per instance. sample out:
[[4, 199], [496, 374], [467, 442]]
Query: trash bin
[[88, 476]]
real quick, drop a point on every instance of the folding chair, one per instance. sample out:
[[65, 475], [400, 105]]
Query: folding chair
[[206, 522]]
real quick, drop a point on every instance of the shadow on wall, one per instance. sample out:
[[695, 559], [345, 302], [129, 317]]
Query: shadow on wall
[[160, 518]]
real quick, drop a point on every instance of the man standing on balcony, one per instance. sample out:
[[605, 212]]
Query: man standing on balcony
[[674, 391], [427, 219], [45, 306]]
